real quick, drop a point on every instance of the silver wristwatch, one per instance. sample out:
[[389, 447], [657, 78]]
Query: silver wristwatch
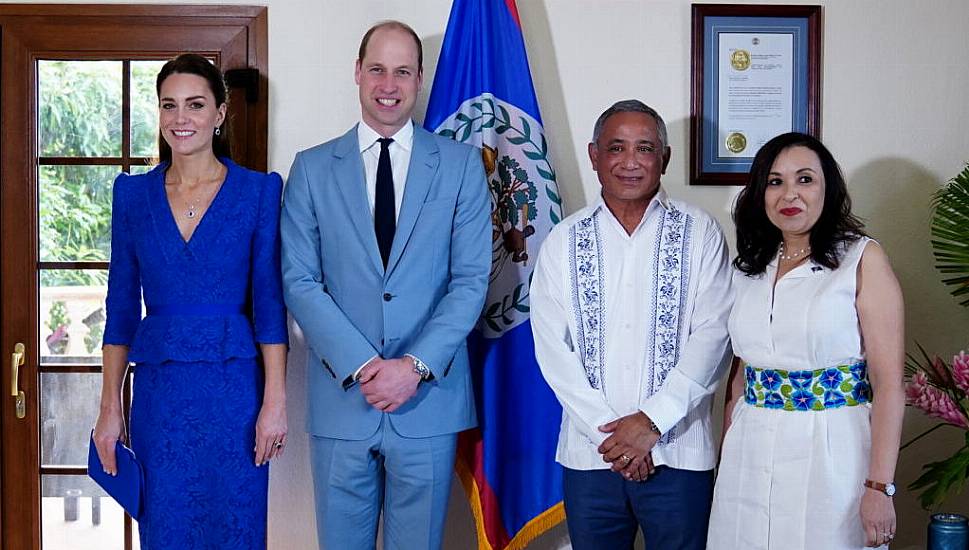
[[421, 368]]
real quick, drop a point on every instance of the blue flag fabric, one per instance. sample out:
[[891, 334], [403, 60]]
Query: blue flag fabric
[[483, 95]]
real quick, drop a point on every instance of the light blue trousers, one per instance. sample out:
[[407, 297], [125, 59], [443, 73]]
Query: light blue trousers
[[408, 479]]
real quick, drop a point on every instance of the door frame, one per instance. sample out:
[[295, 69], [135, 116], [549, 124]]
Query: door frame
[[32, 31]]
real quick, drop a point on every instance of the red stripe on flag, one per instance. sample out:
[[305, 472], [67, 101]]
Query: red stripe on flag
[[486, 510], [514, 11]]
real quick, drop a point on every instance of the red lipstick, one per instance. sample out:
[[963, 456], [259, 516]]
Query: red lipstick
[[790, 211]]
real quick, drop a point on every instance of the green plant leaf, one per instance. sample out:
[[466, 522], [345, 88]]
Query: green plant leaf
[[950, 232], [940, 478]]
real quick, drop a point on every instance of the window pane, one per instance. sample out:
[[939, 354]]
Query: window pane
[[144, 108], [72, 315], [77, 515], [80, 108], [75, 212], [68, 410], [139, 169]]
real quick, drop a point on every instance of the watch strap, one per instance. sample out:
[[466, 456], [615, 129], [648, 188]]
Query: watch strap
[[886, 488]]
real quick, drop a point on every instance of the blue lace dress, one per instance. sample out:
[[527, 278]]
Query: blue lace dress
[[198, 383]]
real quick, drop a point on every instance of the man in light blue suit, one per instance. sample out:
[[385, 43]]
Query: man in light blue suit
[[386, 254]]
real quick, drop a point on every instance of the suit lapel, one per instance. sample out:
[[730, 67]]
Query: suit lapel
[[424, 160], [350, 177]]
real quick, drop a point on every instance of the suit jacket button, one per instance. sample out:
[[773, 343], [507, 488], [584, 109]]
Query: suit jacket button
[[387, 296]]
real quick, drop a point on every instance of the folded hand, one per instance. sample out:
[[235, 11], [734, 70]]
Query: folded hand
[[388, 383]]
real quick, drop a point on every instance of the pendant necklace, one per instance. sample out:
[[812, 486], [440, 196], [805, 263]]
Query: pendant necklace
[[192, 207]]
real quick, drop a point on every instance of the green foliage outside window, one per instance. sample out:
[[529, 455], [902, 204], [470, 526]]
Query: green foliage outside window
[[80, 115]]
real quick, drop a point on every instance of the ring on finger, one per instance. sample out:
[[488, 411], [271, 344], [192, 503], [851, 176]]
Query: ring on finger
[[625, 459]]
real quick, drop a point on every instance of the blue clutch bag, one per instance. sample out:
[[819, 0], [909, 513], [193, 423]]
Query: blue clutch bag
[[128, 486]]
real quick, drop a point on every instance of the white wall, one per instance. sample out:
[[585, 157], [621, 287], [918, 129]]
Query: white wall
[[894, 113]]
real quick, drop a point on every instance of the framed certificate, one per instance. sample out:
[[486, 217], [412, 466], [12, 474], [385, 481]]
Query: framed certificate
[[756, 74]]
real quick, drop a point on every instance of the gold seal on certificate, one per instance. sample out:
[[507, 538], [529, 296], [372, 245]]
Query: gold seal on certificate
[[740, 60], [736, 142]]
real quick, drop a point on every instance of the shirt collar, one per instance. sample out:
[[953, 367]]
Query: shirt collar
[[659, 200], [367, 136]]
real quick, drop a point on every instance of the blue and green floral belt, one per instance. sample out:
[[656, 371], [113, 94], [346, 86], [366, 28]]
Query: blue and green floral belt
[[808, 390]]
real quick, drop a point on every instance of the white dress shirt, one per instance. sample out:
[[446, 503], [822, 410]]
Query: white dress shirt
[[400, 151], [632, 377]]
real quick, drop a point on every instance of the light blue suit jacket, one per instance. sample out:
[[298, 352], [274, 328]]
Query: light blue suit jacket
[[425, 304]]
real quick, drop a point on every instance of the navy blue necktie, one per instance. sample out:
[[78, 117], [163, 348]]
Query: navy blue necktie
[[384, 217]]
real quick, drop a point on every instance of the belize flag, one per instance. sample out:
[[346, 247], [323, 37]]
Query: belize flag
[[483, 95]]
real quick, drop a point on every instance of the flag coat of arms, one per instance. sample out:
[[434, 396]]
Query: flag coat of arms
[[483, 95]]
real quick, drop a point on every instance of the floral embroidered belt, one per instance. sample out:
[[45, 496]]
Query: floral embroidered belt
[[808, 390]]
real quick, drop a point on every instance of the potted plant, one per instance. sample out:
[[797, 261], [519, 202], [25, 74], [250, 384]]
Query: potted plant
[[935, 386], [58, 321]]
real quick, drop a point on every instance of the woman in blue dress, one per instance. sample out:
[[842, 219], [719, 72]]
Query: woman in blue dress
[[197, 238]]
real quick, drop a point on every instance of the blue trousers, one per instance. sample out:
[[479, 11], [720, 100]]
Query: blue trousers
[[603, 509], [407, 479]]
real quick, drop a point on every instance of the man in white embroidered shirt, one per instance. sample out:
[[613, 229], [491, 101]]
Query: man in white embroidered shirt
[[629, 300]]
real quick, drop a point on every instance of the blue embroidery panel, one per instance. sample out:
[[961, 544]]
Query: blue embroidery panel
[[672, 282], [588, 302]]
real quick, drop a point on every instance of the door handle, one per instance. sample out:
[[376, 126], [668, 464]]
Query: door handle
[[16, 361]]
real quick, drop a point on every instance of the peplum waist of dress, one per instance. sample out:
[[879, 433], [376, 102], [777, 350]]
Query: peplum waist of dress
[[193, 332]]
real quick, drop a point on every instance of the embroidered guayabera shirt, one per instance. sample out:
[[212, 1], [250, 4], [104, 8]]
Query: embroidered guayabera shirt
[[634, 322]]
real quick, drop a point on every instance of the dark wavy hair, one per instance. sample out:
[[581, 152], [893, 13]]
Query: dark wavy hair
[[758, 238], [190, 63]]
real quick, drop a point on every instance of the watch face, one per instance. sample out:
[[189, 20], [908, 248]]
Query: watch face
[[890, 489]]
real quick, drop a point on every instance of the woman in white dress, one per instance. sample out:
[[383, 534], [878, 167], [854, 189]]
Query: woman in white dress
[[815, 401]]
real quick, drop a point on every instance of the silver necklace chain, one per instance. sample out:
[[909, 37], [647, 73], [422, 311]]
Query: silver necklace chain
[[192, 207]]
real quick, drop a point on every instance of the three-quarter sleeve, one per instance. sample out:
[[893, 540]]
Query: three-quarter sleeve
[[269, 311], [123, 303]]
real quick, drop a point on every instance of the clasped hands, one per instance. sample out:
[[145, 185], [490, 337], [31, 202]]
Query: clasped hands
[[629, 445], [388, 383]]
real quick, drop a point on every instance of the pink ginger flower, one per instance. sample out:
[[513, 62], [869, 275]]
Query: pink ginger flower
[[960, 371], [934, 401]]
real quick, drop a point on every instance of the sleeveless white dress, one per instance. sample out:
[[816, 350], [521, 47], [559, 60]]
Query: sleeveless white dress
[[793, 479]]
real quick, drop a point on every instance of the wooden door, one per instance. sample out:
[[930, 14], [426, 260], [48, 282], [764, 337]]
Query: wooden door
[[78, 107]]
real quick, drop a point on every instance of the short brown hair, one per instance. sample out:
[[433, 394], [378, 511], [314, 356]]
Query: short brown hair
[[392, 24]]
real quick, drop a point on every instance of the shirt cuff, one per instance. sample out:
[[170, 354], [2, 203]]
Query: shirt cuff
[[352, 379], [657, 409]]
